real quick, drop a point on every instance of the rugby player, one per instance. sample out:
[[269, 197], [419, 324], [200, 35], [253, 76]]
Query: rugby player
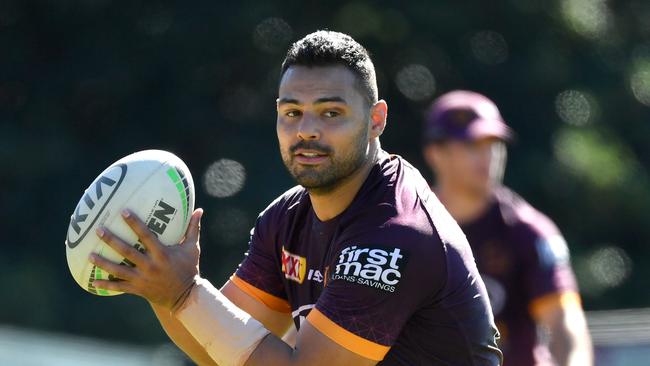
[[520, 253], [360, 257]]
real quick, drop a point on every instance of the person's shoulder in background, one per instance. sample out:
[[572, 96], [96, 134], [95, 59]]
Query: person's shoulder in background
[[541, 249], [527, 223]]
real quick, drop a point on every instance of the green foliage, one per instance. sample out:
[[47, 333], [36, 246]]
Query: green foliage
[[83, 83]]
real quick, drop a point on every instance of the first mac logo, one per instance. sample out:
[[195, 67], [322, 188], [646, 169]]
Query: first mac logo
[[93, 203]]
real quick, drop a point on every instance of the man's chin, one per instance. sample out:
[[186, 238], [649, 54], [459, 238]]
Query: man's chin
[[314, 184], [306, 173], [308, 182]]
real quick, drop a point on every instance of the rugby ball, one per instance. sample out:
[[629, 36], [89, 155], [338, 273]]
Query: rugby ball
[[156, 185]]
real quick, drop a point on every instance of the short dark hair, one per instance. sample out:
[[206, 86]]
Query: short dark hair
[[327, 48]]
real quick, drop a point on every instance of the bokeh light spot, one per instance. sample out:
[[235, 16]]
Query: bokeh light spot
[[639, 73], [573, 107], [272, 35], [224, 178], [610, 266], [640, 83], [489, 47], [416, 82], [589, 18]]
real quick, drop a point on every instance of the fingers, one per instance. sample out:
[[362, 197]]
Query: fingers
[[194, 228], [121, 286], [124, 249], [119, 271], [147, 238]]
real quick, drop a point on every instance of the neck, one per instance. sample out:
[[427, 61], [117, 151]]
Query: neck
[[330, 204], [464, 205]]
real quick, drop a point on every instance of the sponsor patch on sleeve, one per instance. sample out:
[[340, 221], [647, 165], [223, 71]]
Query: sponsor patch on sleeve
[[293, 266], [552, 250], [377, 267]]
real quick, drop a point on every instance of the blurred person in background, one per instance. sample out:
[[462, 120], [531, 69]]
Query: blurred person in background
[[521, 254]]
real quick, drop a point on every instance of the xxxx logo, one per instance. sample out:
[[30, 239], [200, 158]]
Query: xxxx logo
[[293, 266]]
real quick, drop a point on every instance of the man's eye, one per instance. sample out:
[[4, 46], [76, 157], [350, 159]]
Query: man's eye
[[331, 114], [292, 113]]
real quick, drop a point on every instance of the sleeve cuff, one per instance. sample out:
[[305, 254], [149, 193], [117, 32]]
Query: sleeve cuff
[[345, 338], [271, 301]]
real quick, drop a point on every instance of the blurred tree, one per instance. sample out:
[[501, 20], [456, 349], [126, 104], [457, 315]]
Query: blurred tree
[[83, 83]]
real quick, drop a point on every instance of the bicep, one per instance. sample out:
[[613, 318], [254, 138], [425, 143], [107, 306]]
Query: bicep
[[276, 321], [312, 348]]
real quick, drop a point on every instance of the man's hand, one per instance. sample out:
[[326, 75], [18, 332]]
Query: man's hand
[[162, 274]]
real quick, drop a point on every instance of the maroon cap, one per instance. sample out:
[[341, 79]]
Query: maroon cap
[[466, 116]]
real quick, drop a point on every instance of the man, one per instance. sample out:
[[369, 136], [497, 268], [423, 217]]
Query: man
[[360, 257], [520, 253]]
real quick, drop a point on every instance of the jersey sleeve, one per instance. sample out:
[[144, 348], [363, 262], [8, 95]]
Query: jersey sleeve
[[371, 292], [548, 274], [259, 274]]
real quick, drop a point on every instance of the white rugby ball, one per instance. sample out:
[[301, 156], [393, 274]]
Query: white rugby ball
[[156, 185]]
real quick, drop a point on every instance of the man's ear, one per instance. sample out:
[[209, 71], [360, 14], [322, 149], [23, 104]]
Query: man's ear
[[378, 116], [431, 153]]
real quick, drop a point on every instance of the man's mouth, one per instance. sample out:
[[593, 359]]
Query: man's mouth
[[311, 154], [309, 157]]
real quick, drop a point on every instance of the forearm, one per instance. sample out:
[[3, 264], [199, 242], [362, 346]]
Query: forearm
[[571, 349], [228, 334], [182, 338], [568, 351], [270, 352], [570, 343], [232, 337], [188, 344]]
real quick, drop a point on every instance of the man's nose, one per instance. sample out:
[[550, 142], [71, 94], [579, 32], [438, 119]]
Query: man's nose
[[309, 128]]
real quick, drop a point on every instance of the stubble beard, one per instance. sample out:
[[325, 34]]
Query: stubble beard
[[325, 179]]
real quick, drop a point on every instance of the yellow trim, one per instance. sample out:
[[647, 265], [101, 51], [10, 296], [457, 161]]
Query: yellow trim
[[271, 301], [541, 305], [345, 338]]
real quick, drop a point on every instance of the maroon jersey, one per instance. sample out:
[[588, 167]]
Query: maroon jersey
[[391, 278], [524, 261]]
